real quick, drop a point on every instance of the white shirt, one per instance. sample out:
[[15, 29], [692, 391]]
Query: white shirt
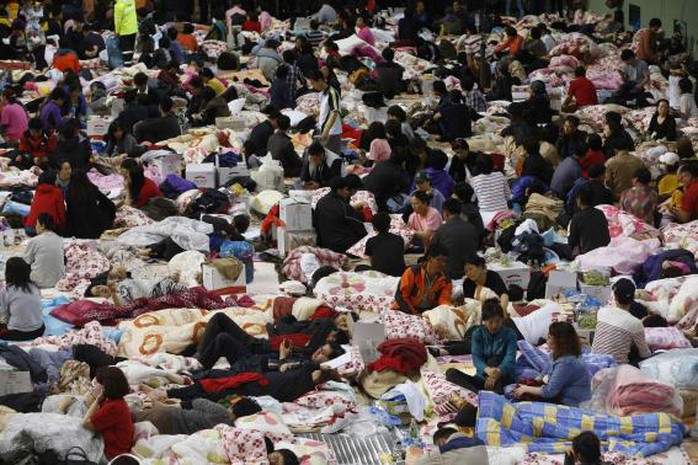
[[687, 106]]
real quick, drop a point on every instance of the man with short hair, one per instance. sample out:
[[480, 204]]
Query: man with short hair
[[425, 286], [159, 129], [458, 237], [636, 75], [621, 168], [281, 148], [649, 40], [571, 136], [338, 225], [589, 226], [568, 171], [329, 126], [581, 93], [641, 199], [319, 167], [618, 332], [458, 446]]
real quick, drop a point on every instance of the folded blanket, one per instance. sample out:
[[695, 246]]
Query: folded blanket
[[401, 355]]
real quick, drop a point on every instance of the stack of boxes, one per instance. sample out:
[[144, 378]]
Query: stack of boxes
[[297, 225]]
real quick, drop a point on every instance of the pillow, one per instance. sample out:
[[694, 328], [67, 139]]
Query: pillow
[[666, 338], [268, 423], [400, 325], [678, 367], [454, 320]]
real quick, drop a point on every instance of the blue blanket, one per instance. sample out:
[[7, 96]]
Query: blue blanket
[[549, 428]]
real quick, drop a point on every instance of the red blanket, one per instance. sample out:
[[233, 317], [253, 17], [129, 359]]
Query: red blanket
[[401, 355], [231, 382], [83, 311]]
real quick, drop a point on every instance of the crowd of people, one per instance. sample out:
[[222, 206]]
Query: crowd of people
[[416, 167]]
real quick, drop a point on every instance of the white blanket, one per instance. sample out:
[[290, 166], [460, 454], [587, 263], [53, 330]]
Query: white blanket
[[187, 233]]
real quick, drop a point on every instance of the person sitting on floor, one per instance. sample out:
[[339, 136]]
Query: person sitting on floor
[[493, 350], [319, 167], [20, 304], [154, 130], [44, 253], [641, 199], [589, 226], [37, 142], [281, 148], [586, 450], [385, 250], [568, 380], [481, 284], [48, 198], [139, 189], [338, 224], [424, 286]]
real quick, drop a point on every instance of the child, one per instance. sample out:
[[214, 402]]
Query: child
[[385, 250], [586, 450], [493, 350], [20, 304]]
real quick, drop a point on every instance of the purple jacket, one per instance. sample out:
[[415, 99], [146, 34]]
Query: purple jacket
[[51, 115], [440, 180]]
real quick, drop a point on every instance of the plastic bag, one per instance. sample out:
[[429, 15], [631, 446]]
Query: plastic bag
[[270, 175], [115, 57]]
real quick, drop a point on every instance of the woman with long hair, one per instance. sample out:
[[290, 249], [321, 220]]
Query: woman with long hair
[[119, 141], [20, 304], [139, 189], [89, 211], [569, 381]]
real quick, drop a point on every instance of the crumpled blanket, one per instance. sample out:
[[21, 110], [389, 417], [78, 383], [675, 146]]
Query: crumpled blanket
[[660, 297], [49, 431], [129, 217], [82, 312], [83, 261], [622, 223], [91, 334], [625, 390], [401, 355], [684, 236], [75, 378], [548, 428], [106, 183], [292, 264], [365, 291], [624, 254], [187, 233]]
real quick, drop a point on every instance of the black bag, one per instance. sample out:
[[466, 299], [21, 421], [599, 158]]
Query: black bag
[[77, 456], [22, 195], [211, 201]]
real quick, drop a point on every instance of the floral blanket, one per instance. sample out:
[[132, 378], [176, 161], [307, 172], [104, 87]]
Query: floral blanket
[[83, 261], [621, 223], [683, 236], [292, 268], [368, 291], [549, 428]]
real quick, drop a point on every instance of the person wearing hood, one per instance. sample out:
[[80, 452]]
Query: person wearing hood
[[319, 167], [338, 224], [48, 198]]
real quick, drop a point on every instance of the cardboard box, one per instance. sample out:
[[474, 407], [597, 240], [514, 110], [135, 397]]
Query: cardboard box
[[600, 293], [296, 214], [225, 174], [15, 382], [170, 164], [289, 240], [202, 174], [97, 127], [214, 281], [234, 123], [516, 273], [520, 93], [560, 282]]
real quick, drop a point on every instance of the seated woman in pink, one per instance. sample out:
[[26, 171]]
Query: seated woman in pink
[[365, 33], [424, 220]]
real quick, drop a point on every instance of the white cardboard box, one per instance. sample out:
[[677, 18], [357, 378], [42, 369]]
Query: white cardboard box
[[286, 241], [170, 164], [202, 174], [559, 282], [14, 382], [214, 281], [516, 273], [296, 214], [97, 126]]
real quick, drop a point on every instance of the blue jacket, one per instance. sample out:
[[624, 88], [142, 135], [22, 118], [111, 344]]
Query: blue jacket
[[501, 345], [569, 382]]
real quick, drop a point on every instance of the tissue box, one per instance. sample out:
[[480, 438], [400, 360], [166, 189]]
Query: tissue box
[[288, 240], [560, 282], [170, 164], [202, 174], [516, 273], [97, 127], [15, 382], [214, 281], [296, 214]]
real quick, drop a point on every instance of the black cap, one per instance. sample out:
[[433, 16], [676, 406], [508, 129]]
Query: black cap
[[624, 289]]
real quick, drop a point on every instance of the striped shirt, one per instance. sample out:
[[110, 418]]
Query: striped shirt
[[617, 330], [330, 103], [315, 37], [492, 191]]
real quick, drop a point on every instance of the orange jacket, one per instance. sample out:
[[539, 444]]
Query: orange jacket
[[412, 290], [513, 44]]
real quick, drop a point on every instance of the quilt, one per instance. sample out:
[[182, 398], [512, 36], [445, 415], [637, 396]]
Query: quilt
[[368, 291], [549, 428]]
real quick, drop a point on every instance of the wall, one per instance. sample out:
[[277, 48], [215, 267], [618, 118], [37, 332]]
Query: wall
[[666, 10]]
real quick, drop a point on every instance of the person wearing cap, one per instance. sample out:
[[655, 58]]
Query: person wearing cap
[[618, 332], [423, 183]]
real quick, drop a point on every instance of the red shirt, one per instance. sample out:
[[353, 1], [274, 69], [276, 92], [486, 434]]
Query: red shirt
[[66, 61], [113, 420], [47, 199], [252, 26], [38, 148], [690, 200], [592, 158], [149, 191], [583, 91]]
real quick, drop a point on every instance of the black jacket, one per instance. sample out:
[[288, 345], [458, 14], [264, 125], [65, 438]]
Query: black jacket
[[338, 225], [460, 239], [89, 218], [157, 129], [386, 180], [281, 148], [77, 153], [324, 174], [259, 136]]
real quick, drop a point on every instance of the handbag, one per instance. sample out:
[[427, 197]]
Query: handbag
[[77, 456]]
